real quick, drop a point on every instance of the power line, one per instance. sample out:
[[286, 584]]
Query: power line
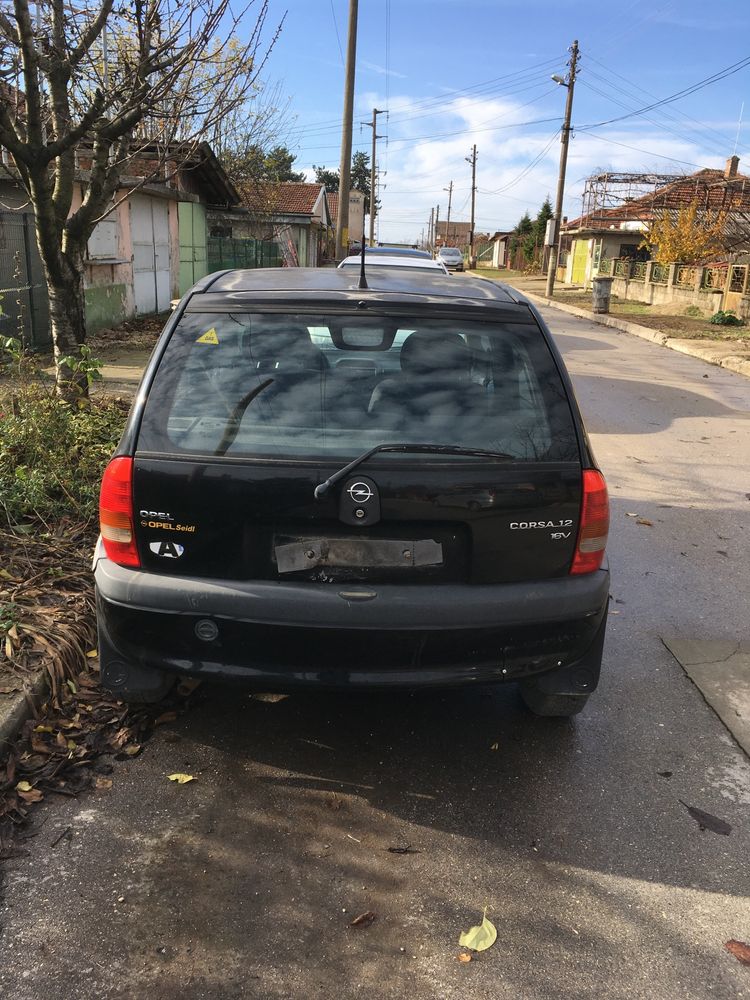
[[714, 78], [464, 131], [527, 168], [336, 29], [638, 149], [633, 87], [444, 100]]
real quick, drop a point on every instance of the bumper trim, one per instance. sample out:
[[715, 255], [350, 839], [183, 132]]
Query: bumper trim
[[440, 606]]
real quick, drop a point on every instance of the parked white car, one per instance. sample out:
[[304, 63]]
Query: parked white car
[[451, 257], [378, 260]]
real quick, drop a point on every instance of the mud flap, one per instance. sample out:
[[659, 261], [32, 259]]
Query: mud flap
[[129, 681], [565, 692]]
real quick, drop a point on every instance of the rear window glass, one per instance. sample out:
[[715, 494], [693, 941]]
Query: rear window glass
[[305, 386]]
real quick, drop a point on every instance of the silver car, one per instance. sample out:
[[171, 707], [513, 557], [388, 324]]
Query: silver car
[[451, 257]]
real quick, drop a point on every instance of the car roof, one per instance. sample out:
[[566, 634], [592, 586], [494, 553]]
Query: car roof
[[389, 286], [399, 251]]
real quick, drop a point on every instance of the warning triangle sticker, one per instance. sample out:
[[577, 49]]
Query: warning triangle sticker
[[209, 337]]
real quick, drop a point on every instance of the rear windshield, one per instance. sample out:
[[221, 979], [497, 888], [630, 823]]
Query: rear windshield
[[305, 386]]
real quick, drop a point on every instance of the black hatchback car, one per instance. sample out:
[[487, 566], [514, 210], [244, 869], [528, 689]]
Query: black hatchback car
[[321, 484]]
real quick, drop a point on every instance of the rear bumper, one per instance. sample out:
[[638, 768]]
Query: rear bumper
[[295, 635]]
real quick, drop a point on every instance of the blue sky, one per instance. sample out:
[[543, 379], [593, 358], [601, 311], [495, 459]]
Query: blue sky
[[452, 73]]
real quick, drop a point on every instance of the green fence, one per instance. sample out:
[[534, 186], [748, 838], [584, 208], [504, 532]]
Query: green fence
[[228, 253]]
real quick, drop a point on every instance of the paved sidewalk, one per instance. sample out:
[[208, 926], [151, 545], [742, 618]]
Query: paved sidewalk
[[732, 355]]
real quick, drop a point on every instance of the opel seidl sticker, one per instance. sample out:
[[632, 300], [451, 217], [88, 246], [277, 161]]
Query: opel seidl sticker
[[170, 550], [168, 526], [209, 337]]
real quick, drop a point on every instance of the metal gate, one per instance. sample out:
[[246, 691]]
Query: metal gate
[[24, 303], [193, 265], [149, 229]]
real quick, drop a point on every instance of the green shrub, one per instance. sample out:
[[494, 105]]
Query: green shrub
[[52, 453], [695, 311], [726, 318]]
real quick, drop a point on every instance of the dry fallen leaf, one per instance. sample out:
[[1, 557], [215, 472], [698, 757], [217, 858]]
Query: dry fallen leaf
[[740, 950], [181, 779], [165, 717], [92, 654], [464, 956], [495, 746], [100, 782], [23, 786], [645, 521], [33, 796], [132, 750], [481, 937], [364, 919], [269, 697]]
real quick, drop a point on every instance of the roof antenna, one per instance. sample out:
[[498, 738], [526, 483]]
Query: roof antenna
[[362, 278]]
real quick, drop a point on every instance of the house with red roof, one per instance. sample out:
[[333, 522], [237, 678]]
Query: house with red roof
[[617, 232], [296, 216]]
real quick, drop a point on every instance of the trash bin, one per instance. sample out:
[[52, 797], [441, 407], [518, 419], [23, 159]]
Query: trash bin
[[602, 293]]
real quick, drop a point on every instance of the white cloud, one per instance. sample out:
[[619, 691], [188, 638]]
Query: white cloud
[[430, 140]]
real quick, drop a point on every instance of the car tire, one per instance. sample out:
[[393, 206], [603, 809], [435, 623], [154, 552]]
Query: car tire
[[128, 681]]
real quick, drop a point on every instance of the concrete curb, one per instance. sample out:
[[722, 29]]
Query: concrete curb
[[712, 356], [17, 708]]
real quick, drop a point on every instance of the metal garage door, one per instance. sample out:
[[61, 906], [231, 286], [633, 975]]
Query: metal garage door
[[149, 227], [193, 235]]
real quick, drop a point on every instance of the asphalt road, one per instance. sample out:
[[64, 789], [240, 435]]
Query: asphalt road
[[599, 881]]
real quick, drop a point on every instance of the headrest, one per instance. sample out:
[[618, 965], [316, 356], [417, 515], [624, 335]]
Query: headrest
[[425, 353], [286, 346]]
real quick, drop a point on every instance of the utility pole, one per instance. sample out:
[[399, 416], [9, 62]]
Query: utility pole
[[564, 139], [473, 161], [373, 125], [437, 219], [449, 189], [430, 237], [342, 220]]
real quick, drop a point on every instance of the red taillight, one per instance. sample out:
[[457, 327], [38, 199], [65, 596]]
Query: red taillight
[[594, 527], [116, 513]]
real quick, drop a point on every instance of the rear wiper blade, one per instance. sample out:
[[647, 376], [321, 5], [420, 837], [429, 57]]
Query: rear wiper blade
[[431, 449]]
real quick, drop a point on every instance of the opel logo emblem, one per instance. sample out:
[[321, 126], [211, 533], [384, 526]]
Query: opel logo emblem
[[360, 493]]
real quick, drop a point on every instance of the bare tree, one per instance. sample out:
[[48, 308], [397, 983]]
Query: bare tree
[[88, 87]]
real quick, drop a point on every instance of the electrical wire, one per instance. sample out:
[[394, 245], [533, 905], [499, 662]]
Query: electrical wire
[[464, 131], [527, 168], [336, 29], [685, 92], [633, 87], [638, 149], [526, 76]]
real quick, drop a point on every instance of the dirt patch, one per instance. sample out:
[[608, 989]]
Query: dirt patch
[[671, 323], [134, 334]]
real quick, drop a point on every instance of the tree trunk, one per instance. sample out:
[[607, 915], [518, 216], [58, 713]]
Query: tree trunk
[[67, 310]]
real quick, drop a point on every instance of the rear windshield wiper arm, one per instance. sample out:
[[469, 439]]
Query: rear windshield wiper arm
[[431, 449], [232, 425]]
